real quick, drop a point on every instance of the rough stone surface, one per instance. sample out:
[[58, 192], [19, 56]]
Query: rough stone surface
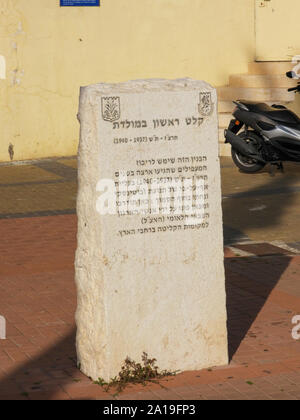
[[146, 284]]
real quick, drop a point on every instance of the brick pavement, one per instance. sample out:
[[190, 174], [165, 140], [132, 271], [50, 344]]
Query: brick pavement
[[38, 299]]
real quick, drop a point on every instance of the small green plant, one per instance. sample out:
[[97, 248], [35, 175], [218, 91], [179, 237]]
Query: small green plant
[[24, 394], [135, 373]]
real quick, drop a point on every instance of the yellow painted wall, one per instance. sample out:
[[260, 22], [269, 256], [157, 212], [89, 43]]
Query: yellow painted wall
[[277, 30], [51, 51]]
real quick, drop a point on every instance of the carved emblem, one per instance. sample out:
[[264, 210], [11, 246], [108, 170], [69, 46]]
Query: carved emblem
[[111, 109], [206, 106]]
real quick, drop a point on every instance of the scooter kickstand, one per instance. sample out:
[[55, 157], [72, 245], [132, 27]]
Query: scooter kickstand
[[272, 169], [280, 167]]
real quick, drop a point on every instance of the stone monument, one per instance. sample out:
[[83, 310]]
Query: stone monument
[[149, 261]]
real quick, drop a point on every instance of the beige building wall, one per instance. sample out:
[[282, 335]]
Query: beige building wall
[[49, 52]]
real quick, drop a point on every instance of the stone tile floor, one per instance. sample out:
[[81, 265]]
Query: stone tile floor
[[38, 297]]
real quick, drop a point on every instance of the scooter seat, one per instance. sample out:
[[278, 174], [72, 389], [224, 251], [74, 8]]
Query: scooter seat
[[283, 116]]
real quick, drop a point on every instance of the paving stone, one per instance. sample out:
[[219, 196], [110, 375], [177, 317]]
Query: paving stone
[[263, 249]]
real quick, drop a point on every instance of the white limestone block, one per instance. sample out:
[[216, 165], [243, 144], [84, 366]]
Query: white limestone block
[[150, 282]]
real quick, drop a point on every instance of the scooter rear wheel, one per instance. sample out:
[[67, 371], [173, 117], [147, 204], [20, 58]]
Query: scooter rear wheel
[[244, 163]]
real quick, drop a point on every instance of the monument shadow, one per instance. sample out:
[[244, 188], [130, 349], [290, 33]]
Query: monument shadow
[[250, 280]]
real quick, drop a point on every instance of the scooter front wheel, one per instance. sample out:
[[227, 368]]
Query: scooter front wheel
[[244, 163]]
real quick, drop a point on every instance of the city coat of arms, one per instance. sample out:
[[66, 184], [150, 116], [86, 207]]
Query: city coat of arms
[[206, 106], [111, 109]]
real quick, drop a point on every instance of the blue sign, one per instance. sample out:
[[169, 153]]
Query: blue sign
[[79, 3]]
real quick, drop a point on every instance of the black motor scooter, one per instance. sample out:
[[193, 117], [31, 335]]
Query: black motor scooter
[[271, 134]]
